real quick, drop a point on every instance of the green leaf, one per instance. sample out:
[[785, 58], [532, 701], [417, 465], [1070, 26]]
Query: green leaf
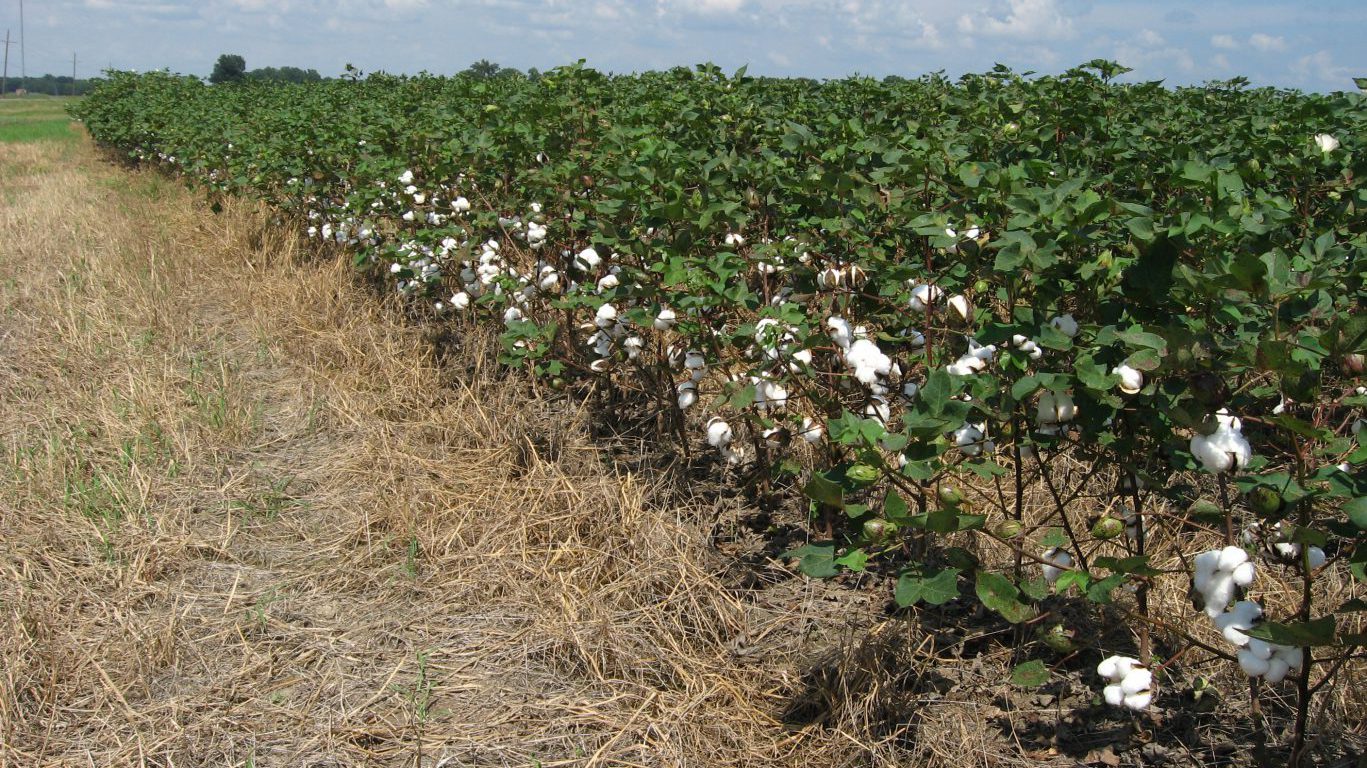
[[824, 490], [855, 560], [1068, 579], [997, 593], [895, 507], [1100, 592], [1301, 633], [1357, 512], [816, 560], [1054, 538], [938, 589], [1031, 674]]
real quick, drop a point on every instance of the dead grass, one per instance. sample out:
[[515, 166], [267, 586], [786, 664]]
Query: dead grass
[[247, 519]]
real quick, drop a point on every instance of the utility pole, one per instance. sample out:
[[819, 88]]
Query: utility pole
[[4, 75], [23, 57]]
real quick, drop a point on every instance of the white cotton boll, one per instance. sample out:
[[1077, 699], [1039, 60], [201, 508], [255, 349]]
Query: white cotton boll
[[1138, 701], [1201, 581], [460, 205], [1252, 665], [924, 296], [608, 283], [1065, 324], [966, 366], [1232, 557], [1316, 557], [910, 389], [878, 410], [1260, 648], [665, 320], [867, 361], [984, 353], [840, 332], [969, 439], [1233, 632], [1060, 561], [512, 315], [694, 361], [587, 260], [395, 268], [733, 238], [419, 198], [633, 345], [812, 431], [409, 216], [1225, 449], [549, 281], [961, 307], [1114, 696], [1292, 656], [1136, 681], [1108, 668], [1131, 379], [1055, 408], [460, 300], [1286, 550], [1326, 142], [1207, 562], [1220, 592], [688, 395], [1243, 574], [803, 356], [1277, 670], [719, 433]]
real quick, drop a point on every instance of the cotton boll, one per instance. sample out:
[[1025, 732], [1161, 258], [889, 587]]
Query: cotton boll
[[734, 239], [460, 205], [1138, 701], [694, 361], [840, 332], [1220, 593], [1277, 670], [1060, 561], [1293, 656], [633, 345], [1131, 379], [1114, 695], [665, 320], [587, 259], [1225, 449], [812, 431], [1136, 681], [910, 389], [1316, 557], [1232, 557], [1252, 665], [460, 300], [688, 395], [1326, 142], [1260, 648], [719, 433], [1065, 324], [961, 307], [924, 296], [1055, 408], [608, 283], [878, 409], [1109, 668], [969, 439], [512, 315], [1207, 562], [1243, 574]]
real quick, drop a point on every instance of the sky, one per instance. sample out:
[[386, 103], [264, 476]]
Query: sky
[[1313, 45]]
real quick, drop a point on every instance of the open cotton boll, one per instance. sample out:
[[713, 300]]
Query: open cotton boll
[[1064, 324], [688, 395], [959, 303], [1260, 648], [665, 320], [633, 345], [1225, 449], [694, 361], [1232, 557], [840, 332], [1326, 142], [867, 361], [1136, 680], [1113, 695], [1028, 346], [924, 296], [1131, 379], [719, 433], [608, 282], [1316, 557], [1138, 701], [812, 431], [1243, 574], [587, 259], [1277, 670], [878, 409], [966, 366], [1055, 408], [1116, 667], [512, 315], [1059, 561], [1219, 594], [733, 239], [460, 205], [460, 300], [1251, 664]]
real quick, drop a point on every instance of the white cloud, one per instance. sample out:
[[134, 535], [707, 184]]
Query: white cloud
[[1026, 20], [1319, 68], [1150, 38], [1224, 41], [708, 7], [1266, 43]]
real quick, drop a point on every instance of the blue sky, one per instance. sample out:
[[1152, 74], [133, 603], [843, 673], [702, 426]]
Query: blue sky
[[1308, 45]]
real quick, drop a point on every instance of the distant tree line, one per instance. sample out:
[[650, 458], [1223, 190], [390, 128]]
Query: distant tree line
[[50, 85], [231, 68]]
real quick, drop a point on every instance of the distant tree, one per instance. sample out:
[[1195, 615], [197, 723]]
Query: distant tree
[[285, 75], [484, 70], [230, 68]]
